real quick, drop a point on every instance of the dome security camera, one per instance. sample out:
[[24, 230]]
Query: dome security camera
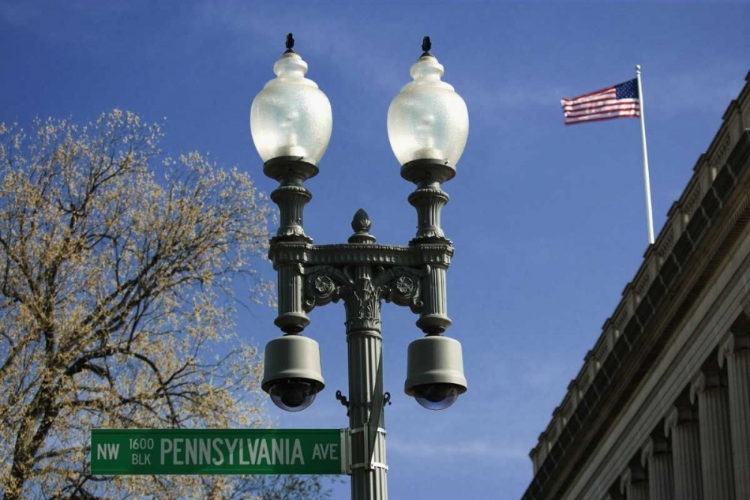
[[435, 372], [292, 375], [293, 394], [436, 396]]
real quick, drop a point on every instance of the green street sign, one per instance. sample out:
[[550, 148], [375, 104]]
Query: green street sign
[[219, 451]]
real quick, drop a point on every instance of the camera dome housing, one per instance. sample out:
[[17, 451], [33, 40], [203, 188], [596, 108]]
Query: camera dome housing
[[293, 394], [435, 372], [292, 375]]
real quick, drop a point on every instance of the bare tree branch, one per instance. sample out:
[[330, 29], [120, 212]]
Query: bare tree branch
[[117, 269]]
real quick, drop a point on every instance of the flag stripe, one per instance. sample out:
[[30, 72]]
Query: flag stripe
[[600, 118], [619, 101], [572, 104], [604, 109], [592, 97]]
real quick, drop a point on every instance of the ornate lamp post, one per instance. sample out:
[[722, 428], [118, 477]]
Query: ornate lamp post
[[428, 124]]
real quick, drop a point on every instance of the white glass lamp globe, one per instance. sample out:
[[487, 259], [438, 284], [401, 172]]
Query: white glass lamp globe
[[428, 119], [291, 116]]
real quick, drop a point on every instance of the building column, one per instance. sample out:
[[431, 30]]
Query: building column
[[656, 457], [634, 483], [736, 351], [709, 388], [682, 423]]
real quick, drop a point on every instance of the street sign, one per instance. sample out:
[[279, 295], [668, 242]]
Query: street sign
[[219, 451]]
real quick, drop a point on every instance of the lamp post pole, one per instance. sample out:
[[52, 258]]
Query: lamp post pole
[[365, 362], [359, 273]]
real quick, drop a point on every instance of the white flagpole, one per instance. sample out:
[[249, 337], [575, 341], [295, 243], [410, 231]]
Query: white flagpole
[[646, 181]]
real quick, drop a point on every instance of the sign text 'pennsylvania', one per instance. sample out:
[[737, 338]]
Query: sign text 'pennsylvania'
[[219, 451]]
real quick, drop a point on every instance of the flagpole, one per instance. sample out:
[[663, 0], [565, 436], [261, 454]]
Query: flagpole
[[646, 181]]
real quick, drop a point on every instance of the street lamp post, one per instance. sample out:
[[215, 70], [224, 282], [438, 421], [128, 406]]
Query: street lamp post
[[290, 122]]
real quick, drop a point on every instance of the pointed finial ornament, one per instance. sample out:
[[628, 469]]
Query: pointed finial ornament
[[426, 46], [361, 222], [289, 43], [361, 225]]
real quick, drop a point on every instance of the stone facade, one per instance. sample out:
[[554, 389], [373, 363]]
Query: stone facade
[[661, 407]]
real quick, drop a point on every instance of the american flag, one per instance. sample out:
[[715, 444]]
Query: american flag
[[619, 101]]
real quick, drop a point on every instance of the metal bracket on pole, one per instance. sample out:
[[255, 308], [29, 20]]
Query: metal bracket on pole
[[363, 430], [374, 464], [370, 464], [346, 452]]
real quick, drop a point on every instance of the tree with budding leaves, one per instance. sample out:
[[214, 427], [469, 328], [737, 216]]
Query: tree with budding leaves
[[117, 273]]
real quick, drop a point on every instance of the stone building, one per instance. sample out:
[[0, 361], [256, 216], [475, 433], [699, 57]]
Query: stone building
[[661, 407]]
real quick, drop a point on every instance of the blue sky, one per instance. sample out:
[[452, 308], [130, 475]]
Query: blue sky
[[548, 221]]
